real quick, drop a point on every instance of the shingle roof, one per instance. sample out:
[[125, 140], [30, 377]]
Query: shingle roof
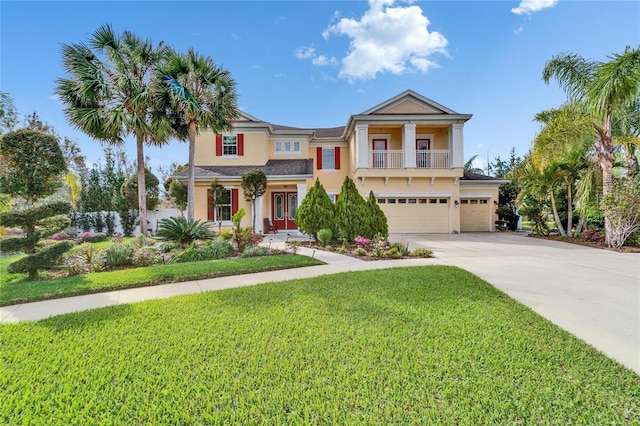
[[476, 176], [272, 168], [332, 132]]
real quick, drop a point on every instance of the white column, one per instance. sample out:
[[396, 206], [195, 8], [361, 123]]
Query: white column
[[259, 217], [456, 145], [362, 146], [409, 145]]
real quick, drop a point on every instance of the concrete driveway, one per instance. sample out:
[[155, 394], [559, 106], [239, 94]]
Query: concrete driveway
[[592, 293]]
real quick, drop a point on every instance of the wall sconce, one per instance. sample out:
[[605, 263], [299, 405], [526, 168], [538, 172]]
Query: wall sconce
[[457, 203], [495, 202]]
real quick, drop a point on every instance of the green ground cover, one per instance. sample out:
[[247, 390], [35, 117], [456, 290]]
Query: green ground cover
[[425, 345], [20, 291]]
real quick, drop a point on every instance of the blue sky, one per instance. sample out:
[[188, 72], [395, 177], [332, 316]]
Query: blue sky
[[312, 64]]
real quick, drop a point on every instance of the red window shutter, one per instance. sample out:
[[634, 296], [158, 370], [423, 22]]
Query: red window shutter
[[234, 201], [240, 144], [337, 157], [218, 145], [209, 201], [319, 158]]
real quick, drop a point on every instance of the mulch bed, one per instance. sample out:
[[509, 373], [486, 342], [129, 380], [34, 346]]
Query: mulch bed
[[624, 249]]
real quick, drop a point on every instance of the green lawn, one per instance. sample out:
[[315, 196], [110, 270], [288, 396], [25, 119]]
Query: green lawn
[[12, 292], [427, 345]]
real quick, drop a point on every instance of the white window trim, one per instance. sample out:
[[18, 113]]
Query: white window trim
[[283, 151], [236, 143], [333, 169]]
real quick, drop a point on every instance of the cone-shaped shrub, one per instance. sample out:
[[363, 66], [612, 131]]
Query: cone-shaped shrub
[[316, 211], [351, 211], [377, 219]]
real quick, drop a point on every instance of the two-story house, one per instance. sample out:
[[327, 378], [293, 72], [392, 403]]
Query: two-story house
[[408, 150]]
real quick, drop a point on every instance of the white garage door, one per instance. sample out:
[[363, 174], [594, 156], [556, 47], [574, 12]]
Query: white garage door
[[408, 215], [474, 215]]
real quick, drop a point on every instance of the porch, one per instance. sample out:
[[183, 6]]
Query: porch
[[395, 159]]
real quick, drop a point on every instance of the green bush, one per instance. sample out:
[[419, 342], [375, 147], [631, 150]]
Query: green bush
[[41, 259], [118, 254], [422, 252], [393, 253], [255, 251], [403, 248], [360, 252], [183, 231], [316, 211], [146, 256], [245, 237], [324, 236], [350, 209], [219, 249]]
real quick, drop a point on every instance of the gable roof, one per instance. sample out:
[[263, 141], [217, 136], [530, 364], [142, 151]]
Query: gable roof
[[409, 102]]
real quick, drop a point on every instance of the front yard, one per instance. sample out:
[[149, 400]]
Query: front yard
[[425, 345]]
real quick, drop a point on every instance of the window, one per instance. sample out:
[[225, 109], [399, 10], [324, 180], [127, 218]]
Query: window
[[443, 201], [402, 201], [381, 200], [412, 200], [285, 147], [483, 201], [464, 201], [328, 159], [392, 200], [333, 197], [223, 211], [423, 201], [432, 201], [229, 145], [473, 201]]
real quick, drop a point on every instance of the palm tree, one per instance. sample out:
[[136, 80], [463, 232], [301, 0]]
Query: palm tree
[[470, 168], [196, 94], [606, 89], [109, 95]]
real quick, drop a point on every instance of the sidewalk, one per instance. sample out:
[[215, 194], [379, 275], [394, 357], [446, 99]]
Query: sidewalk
[[335, 263]]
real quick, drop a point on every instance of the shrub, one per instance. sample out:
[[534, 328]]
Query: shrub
[[403, 248], [341, 249], [183, 231], [74, 266], [146, 256], [377, 221], [88, 237], [293, 245], [84, 251], [226, 234], [255, 251], [350, 209], [422, 252], [40, 260], [219, 249], [592, 235], [393, 253], [142, 241], [324, 236], [245, 237], [360, 252], [118, 254], [60, 236], [362, 240], [316, 212]]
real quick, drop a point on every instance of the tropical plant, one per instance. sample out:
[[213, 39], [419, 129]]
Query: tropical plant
[[316, 211], [254, 185], [195, 94], [109, 94], [183, 231], [469, 167], [606, 90]]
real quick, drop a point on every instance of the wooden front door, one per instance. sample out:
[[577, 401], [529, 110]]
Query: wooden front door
[[284, 206]]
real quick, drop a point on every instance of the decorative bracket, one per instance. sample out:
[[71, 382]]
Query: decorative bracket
[[408, 180], [386, 180], [361, 180], [433, 179], [455, 181]]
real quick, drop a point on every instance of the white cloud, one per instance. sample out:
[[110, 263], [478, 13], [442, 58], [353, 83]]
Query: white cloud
[[518, 30], [387, 38], [480, 145], [527, 7], [308, 52]]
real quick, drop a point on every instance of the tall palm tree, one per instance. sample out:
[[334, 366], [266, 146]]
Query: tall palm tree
[[196, 94], [606, 89], [108, 94], [469, 166]]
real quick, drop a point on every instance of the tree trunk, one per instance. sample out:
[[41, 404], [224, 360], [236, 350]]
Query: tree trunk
[[142, 187], [191, 183], [556, 217], [606, 157], [570, 212]]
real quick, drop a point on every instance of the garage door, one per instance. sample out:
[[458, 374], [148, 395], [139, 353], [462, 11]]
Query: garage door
[[416, 215], [474, 215]]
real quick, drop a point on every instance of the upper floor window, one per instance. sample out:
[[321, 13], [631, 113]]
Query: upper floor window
[[285, 147], [229, 145], [328, 158]]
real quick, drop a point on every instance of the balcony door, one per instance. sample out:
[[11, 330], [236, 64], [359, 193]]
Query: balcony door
[[423, 157], [284, 206], [379, 153]]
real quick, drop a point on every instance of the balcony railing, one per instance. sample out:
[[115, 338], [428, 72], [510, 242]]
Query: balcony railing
[[394, 159], [433, 159]]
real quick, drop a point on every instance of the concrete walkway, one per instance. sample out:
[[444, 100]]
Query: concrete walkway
[[592, 293]]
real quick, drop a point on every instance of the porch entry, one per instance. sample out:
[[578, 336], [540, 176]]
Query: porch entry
[[284, 206], [423, 158], [379, 153]]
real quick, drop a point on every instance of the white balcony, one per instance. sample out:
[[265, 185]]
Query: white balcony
[[394, 159]]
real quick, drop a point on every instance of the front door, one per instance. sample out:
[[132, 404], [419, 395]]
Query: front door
[[284, 206], [423, 159]]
